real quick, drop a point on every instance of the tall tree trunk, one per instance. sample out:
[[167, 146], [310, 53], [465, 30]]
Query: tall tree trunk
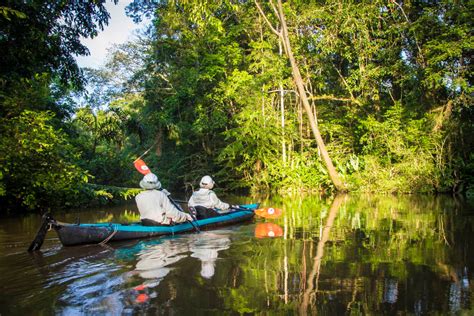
[[282, 109], [263, 72], [159, 142], [283, 35], [300, 123]]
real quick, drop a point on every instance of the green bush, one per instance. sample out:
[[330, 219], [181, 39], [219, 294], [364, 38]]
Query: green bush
[[35, 164]]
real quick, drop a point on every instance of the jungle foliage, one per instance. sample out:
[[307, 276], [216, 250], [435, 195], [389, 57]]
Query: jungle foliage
[[209, 85], [391, 84], [38, 41]]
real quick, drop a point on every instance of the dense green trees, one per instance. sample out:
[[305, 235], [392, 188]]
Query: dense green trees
[[383, 78], [387, 84], [38, 42], [43, 37], [37, 167]]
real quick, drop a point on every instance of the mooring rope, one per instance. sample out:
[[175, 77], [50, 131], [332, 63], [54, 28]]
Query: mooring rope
[[103, 242]]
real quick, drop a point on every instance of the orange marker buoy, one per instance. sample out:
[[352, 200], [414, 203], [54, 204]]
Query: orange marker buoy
[[263, 230], [269, 212], [142, 298]]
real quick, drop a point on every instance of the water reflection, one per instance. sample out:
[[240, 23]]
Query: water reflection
[[366, 254], [263, 230], [205, 247], [156, 262], [459, 292], [390, 292], [95, 285], [348, 255], [313, 278]]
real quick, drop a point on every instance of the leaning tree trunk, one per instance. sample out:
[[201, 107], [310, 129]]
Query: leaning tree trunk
[[283, 35], [282, 110]]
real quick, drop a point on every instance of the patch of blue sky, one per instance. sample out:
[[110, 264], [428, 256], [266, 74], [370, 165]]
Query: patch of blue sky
[[119, 30]]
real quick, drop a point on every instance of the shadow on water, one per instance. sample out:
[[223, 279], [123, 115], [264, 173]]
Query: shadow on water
[[357, 254]]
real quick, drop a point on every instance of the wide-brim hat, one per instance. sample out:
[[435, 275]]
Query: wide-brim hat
[[150, 182], [149, 185]]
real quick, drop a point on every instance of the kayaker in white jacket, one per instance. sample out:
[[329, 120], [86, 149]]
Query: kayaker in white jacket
[[155, 207], [206, 197]]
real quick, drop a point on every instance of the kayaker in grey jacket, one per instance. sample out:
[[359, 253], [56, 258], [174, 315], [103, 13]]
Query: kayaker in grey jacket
[[206, 197]]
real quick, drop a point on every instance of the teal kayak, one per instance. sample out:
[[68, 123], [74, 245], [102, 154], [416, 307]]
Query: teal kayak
[[96, 233]]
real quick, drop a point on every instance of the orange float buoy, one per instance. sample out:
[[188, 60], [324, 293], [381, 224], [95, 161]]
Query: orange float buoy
[[263, 230], [269, 212]]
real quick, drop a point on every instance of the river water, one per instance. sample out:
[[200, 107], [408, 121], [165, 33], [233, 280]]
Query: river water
[[349, 255]]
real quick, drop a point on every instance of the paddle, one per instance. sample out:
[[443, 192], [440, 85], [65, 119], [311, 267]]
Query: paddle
[[265, 212], [140, 165], [195, 225], [269, 212], [41, 234]]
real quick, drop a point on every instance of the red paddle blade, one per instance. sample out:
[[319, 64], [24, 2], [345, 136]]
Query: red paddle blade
[[141, 166], [140, 287], [269, 212], [142, 298], [263, 230]]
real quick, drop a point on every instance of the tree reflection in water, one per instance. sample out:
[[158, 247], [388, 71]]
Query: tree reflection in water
[[358, 254], [313, 278], [362, 254]]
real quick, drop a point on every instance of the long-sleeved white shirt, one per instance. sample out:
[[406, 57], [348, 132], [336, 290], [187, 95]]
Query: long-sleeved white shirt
[[155, 205], [207, 198]]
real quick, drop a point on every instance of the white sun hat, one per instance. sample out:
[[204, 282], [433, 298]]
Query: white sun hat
[[206, 182], [150, 182]]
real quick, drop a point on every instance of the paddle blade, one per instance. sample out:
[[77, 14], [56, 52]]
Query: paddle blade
[[269, 212], [40, 234], [142, 298], [264, 230], [141, 166]]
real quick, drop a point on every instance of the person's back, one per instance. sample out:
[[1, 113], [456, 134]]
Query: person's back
[[154, 206], [150, 206], [206, 197]]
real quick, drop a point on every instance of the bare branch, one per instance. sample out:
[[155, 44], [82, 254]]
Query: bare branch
[[266, 19], [275, 10], [278, 91], [334, 98], [345, 83], [414, 34], [163, 77]]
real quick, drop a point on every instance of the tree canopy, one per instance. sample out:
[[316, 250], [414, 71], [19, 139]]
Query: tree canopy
[[388, 86]]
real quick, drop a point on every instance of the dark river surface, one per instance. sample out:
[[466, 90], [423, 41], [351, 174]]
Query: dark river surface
[[349, 255]]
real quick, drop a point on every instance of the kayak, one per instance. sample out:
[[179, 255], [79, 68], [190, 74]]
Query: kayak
[[101, 233]]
